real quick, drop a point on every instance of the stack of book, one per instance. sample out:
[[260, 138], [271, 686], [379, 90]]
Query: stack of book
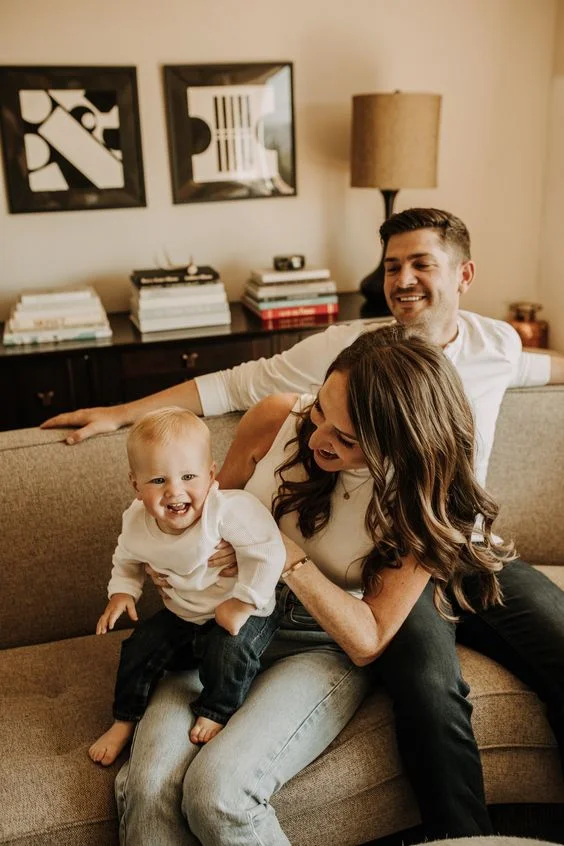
[[292, 297], [74, 314], [178, 298]]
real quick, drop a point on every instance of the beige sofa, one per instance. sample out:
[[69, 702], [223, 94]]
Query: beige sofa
[[60, 516]]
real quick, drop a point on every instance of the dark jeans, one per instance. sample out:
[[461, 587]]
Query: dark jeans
[[420, 670], [227, 663]]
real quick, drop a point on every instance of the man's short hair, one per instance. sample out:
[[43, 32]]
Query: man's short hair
[[450, 229]]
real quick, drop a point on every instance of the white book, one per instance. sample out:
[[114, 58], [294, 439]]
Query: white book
[[164, 311], [218, 300], [58, 295], [47, 309], [43, 336], [20, 322], [162, 292], [290, 289], [218, 318], [267, 276]]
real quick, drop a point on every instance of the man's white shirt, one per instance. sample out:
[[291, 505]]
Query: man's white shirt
[[487, 354]]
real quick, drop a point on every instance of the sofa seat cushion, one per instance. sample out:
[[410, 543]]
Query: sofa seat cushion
[[55, 699]]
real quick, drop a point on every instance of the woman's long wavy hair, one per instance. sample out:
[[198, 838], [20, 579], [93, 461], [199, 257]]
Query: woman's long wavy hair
[[410, 414]]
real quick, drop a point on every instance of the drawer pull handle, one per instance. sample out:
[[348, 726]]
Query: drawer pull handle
[[46, 398], [190, 360]]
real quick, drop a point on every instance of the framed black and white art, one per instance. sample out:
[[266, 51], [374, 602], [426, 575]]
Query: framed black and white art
[[71, 138], [230, 131]]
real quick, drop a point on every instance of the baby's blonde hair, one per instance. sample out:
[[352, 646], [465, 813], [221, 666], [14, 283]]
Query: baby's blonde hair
[[164, 425]]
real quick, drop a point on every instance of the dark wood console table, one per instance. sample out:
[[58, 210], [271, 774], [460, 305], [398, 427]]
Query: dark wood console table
[[39, 381]]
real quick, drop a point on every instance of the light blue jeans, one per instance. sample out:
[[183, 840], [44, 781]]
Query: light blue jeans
[[173, 793]]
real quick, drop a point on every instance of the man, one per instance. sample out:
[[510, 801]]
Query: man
[[428, 268]]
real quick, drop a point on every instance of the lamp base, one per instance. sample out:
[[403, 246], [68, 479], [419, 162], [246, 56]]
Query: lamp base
[[372, 288]]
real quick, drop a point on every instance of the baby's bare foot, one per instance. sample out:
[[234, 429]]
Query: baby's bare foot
[[106, 749], [204, 730]]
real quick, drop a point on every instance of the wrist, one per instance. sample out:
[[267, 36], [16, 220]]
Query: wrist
[[297, 565], [238, 604], [124, 415]]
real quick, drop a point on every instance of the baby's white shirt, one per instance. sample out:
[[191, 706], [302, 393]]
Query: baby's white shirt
[[196, 588]]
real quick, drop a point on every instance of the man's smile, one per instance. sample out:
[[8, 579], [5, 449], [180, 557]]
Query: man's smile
[[409, 298]]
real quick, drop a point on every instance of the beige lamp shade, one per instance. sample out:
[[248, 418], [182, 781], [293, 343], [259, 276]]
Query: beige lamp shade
[[395, 140]]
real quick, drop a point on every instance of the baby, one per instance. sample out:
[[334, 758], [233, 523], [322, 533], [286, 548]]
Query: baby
[[218, 623]]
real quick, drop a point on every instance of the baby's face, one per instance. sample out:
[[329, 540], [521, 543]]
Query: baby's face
[[173, 480]]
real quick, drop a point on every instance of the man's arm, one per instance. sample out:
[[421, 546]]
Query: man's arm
[[556, 369], [556, 364], [94, 421], [300, 369]]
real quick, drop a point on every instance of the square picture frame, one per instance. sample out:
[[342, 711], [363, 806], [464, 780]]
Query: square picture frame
[[71, 138], [230, 131]]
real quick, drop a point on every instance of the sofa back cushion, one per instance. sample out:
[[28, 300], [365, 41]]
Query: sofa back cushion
[[61, 513], [526, 472]]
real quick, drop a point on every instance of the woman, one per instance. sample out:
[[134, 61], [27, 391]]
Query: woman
[[372, 483]]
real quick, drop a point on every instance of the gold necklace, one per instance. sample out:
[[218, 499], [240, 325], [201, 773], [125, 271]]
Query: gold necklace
[[347, 494]]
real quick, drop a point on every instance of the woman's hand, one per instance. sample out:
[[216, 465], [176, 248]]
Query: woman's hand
[[225, 559], [160, 582]]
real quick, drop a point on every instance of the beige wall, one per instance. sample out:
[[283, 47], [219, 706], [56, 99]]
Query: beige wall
[[491, 59], [551, 286]]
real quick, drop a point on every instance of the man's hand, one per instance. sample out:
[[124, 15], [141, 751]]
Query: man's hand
[[160, 582], [225, 559], [118, 603], [93, 421]]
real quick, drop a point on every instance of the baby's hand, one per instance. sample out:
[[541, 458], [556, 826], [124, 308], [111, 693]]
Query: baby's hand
[[118, 603], [232, 614]]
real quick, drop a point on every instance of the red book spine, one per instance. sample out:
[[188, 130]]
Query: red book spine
[[299, 322], [299, 311]]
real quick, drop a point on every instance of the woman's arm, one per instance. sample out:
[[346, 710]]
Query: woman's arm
[[363, 628], [254, 436]]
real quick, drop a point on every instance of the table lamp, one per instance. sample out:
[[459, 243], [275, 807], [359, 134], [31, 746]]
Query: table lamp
[[395, 139]]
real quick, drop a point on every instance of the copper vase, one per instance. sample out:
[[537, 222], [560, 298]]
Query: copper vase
[[533, 332]]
